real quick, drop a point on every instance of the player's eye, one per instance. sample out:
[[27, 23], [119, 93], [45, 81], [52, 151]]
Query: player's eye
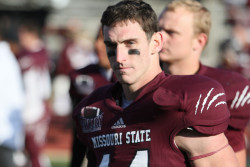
[[130, 43], [111, 53], [169, 32], [110, 45]]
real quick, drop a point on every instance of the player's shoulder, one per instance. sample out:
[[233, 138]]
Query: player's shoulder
[[98, 94], [85, 70], [224, 75], [190, 82], [178, 90], [200, 98], [101, 92]]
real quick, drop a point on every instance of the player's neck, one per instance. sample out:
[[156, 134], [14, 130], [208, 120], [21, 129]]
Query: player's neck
[[183, 68], [131, 91]]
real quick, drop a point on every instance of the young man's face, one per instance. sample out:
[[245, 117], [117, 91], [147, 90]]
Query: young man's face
[[177, 29], [129, 52]]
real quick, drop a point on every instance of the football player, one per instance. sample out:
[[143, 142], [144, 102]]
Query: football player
[[33, 58], [185, 25], [149, 118]]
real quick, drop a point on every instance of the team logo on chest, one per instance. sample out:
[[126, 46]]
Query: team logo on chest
[[119, 124], [91, 119]]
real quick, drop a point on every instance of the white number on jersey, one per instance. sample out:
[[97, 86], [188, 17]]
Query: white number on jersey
[[140, 159]]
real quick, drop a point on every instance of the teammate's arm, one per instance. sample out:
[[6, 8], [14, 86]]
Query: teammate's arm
[[206, 151]]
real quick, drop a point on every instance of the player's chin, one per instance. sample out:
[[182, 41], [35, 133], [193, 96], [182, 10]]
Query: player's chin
[[163, 56], [124, 79]]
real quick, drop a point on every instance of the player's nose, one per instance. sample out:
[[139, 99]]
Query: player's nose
[[120, 54]]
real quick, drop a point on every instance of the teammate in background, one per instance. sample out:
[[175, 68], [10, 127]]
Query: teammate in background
[[34, 61], [77, 53], [83, 82], [185, 25], [11, 97], [78, 49], [149, 118]]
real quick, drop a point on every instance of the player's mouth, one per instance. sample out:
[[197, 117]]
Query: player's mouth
[[123, 70]]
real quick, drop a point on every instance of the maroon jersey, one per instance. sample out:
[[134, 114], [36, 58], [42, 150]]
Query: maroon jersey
[[238, 99], [38, 59], [142, 134]]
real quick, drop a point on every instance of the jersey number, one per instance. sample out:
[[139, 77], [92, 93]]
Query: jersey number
[[140, 159]]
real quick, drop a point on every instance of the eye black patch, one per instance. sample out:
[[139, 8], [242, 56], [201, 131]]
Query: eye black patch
[[111, 53], [134, 52]]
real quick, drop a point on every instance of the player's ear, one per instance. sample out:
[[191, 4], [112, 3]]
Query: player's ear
[[156, 42], [200, 41]]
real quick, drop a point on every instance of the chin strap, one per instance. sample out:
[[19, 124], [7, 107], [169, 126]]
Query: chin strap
[[208, 154]]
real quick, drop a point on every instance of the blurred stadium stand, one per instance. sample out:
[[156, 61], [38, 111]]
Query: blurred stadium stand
[[57, 13]]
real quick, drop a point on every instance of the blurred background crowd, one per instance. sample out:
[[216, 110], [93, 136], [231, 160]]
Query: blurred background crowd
[[45, 40]]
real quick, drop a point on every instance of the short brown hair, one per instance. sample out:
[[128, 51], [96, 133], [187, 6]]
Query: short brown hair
[[131, 10]]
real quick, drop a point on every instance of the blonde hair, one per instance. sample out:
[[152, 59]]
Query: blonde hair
[[202, 16]]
